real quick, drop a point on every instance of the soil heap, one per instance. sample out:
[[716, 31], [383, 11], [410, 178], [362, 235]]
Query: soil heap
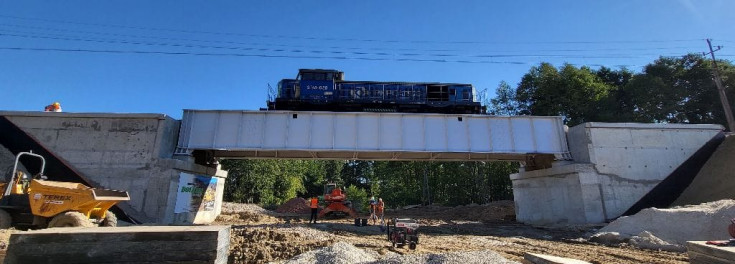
[[296, 205]]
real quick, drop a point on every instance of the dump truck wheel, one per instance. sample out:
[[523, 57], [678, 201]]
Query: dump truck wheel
[[70, 219], [5, 220], [110, 220]]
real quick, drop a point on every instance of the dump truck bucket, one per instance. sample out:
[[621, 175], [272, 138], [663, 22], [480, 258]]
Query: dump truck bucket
[[49, 198]]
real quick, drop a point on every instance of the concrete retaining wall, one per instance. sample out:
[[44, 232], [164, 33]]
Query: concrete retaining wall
[[716, 180], [617, 163], [131, 152]]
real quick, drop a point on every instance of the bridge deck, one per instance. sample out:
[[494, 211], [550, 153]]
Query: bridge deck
[[370, 136]]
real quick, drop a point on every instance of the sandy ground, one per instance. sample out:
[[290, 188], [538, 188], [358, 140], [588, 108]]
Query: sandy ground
[[260, 236]]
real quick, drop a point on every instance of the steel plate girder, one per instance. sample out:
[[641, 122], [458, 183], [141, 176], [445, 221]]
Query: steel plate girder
[[391, 134]]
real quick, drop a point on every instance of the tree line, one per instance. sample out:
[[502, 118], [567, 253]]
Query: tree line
[[273, 182], [668, 90]]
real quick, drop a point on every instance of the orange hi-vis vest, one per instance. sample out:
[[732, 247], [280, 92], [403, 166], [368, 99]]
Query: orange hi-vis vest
[[314, 202], [381, 205]]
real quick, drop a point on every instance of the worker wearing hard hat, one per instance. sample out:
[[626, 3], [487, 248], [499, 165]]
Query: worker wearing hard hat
[[314, 207], [55, 107]]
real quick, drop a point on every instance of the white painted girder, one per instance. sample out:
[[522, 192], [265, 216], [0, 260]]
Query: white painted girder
[[367, 135]]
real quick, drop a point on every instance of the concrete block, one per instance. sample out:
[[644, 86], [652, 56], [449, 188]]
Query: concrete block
[[138, 244], [701, 253]]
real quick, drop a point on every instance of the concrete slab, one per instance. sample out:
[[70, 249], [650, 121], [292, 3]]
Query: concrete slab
[[701, 253], [133, 244]]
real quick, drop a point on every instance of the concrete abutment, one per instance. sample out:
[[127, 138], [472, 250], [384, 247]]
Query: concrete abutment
[[134, 153], [614, 166]]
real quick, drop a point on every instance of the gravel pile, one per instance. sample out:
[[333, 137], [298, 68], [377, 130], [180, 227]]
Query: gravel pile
[[337, 253], [468, 257], [342, 252], [671, 227], [311, 233], [234, 208], [296, 205], [233, 213]]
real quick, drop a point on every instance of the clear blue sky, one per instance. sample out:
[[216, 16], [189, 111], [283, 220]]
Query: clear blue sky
[[165, 56]]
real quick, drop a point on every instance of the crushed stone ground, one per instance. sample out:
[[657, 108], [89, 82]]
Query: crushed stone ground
[[464, 234]]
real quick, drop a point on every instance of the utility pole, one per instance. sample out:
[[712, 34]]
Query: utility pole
[[720, 88]]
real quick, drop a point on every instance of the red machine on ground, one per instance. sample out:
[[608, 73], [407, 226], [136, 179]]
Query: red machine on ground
[[403, 231], [336, 201]]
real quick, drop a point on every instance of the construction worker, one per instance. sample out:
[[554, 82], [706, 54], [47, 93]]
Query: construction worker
[[379, 209], [314, 207], [55, 107], [373, 205]]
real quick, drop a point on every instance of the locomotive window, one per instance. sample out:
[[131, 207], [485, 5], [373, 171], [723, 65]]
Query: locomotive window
[[308, 76], [330, 76], [452, 91], [466, 95], [319, 76]]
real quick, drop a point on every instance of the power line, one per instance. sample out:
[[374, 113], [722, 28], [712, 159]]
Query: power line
[[346, 39], [259, 55], [333, 47], [606, 56]]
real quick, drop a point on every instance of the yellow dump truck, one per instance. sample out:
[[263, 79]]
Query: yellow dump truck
[[34, 202]]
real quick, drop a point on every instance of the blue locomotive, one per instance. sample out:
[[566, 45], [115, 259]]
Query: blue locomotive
[[326, 90]]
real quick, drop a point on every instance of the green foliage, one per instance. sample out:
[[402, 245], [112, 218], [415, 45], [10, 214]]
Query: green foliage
[[577, 94], [680, 90], [272, 182], [671, 89], [504, 103], [266, 182], [358, 196]]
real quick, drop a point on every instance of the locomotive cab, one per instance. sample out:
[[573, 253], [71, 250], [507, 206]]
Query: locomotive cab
[[317, 85]]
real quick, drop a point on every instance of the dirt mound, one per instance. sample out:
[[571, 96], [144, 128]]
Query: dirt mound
[[494, 211], [296, 205], [261, 245], [245, 214], [707, 221]]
